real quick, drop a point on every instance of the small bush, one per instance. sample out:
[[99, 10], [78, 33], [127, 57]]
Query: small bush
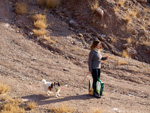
[[49, 40], [52, 3], [125, 54], [40, 24], [39, 32], [62, 109], [31, 105], [39, 17], [4, 98], [11, 108], [4, 88], [21, 8]]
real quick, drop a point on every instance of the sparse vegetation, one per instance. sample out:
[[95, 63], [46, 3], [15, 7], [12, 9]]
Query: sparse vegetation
[[129, 40], [31, 105], [4, 88], [62, 109], [128, 19], [125, 54], [40, 24], [21, 8], [39, 32], [39, 17], [50, 40]]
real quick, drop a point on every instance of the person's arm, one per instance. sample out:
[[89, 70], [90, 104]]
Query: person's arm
[[104, 58], [90, 61]]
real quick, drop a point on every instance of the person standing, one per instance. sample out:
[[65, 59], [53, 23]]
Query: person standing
[[94, 64]]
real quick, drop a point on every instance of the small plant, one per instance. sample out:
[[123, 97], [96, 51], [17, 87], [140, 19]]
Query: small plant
[[4, 88], [62, 109], [125, 54], [21, 8], [40, 24], [52, 3], [4, 98], [129, 40], [39, 17], [31, 105], [11, 108], [39, 32], [49, 40], [128, 19]]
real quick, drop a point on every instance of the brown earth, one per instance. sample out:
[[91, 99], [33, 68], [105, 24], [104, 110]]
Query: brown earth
[[25, 61]]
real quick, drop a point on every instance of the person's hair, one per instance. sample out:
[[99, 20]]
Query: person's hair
[[94, 44]]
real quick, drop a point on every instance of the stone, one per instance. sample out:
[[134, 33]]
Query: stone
[[132, 52], [22, 21], [142, 1], [74, 24], [100, 12]]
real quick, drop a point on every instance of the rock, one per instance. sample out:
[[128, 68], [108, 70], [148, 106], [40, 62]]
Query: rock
[[74, 24], [100, 12], [132, 52], [105, 46], [101, 37], [22, 21], [142, 1], [125, 46]]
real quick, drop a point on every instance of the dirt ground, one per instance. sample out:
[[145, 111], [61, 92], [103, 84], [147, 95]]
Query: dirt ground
[[24, 63]]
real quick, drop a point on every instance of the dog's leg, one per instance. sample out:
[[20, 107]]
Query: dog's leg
[[58, 92]]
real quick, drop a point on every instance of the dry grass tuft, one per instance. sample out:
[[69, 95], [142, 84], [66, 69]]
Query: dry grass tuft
[[62, 109], [40, 24], [21, 8], [4, 98], [52, 3], [125, 54], [94, 5], [122, 62], [31, 105], [39, 17], [49, 40], [4, 88], [39, 32]]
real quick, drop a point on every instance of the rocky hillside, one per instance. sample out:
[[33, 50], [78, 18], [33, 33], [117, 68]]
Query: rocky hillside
[[59, 50]]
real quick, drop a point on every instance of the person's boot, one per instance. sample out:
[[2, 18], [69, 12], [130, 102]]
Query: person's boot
[[96, 95]]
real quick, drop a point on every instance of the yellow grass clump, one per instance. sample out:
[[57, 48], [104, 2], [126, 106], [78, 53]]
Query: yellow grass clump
[[39, 17], [40, 24], [121, 3], [4, 88], [39, 32], [31, 105], [125, 54], [21, 8], [62, 109], [52, 3], [49, 40], [128, 19], [129, 40]]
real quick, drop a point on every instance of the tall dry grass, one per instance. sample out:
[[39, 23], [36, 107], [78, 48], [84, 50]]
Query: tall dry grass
[[125, 54], [39, 32], [62, 109], [94, 5], [39, 17], [31, 105], [40, 24], [21, 8], [4, 88]]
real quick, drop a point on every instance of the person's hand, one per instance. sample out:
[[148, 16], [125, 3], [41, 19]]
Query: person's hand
[[106, 57]]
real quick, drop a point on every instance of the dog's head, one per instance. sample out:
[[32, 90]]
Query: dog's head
[[54, 85]]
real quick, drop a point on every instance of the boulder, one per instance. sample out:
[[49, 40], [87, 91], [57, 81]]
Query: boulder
[[131, 52], [100, 12]]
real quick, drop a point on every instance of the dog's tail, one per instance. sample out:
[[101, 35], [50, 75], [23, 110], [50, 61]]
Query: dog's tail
[[44, 81]]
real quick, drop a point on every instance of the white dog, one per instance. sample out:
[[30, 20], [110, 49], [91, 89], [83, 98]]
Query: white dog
[[51, 86]]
